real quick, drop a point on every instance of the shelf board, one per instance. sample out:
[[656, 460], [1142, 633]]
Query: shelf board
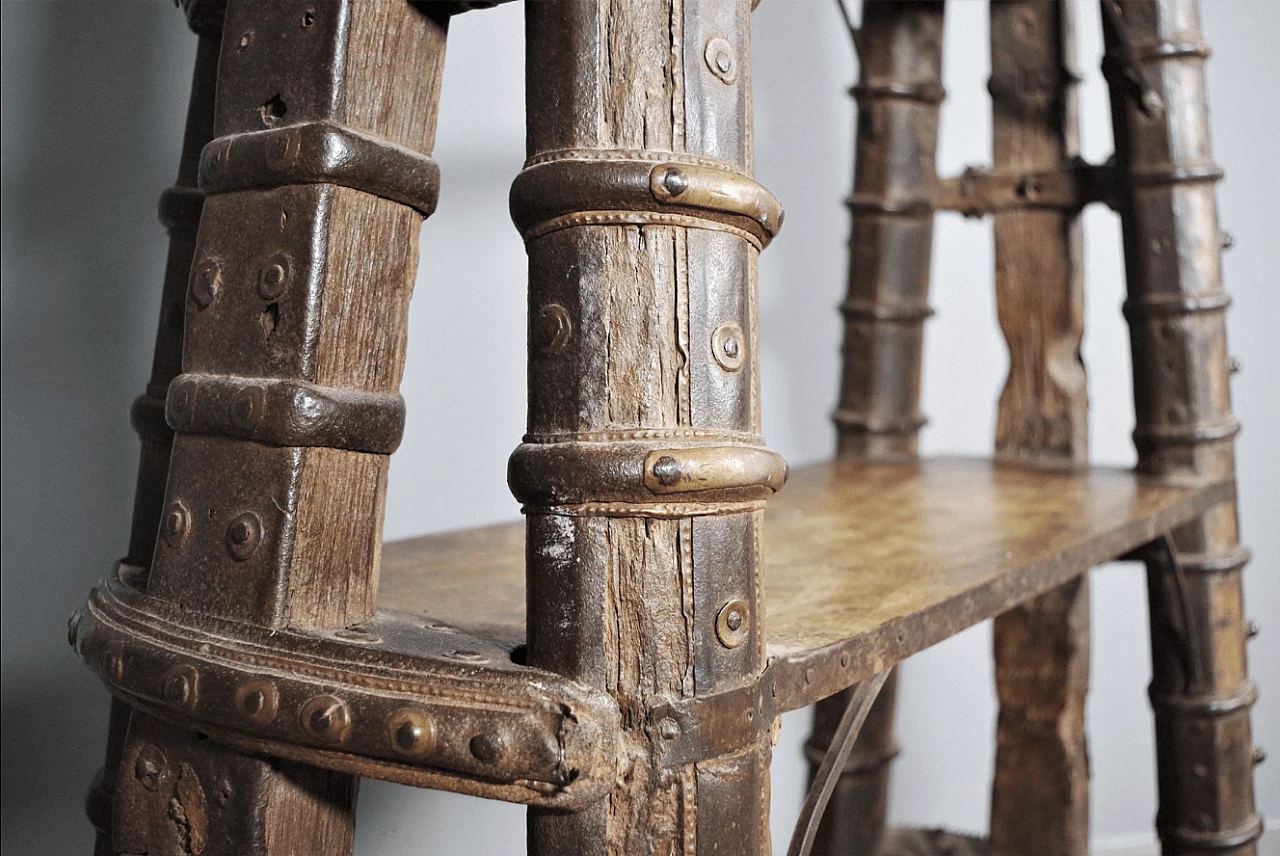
[[865, 564]]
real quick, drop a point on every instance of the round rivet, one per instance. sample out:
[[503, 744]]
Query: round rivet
[[176, 525], [552, 329], [467, 656], [486, 748], [113, 661], [720, 59], [1252, 629], [273, 279], [1234, 366], [182, 399], [248, 406], [728, 346], [668, 728], [411, 732], [1259, 754], [181, 686], [674, 181], [733, 624], [244, 534], [667, 470], [1200, 771], [258, 700], [326, 718], [206, 281], [149, 766], [1227, 240]]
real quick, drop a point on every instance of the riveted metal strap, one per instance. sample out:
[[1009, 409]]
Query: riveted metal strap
[[1069, 187], [320, 153], [1242, 697], [664, 189], [574, 473], [398, 698], [285, 412], [698, 729]]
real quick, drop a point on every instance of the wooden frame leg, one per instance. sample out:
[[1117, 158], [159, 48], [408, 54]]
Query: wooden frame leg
[[878, 418], [180, 213], [301, 276], [643, 353], [1200, 687], [1040, 792]]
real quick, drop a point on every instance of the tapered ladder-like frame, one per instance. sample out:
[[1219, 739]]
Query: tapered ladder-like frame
[[632, 705]]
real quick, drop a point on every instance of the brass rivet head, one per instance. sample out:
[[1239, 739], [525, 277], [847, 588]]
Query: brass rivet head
[[244, 534], [728, 346], [248, 406], [721, 60], [733, 623], [181, 685], [274, 277], [411, 732], [486, 748], [176, 525], [206, 282], [113, 661], [674, 181], [326, 718], [149, 767], [258, 700], [552, 329]]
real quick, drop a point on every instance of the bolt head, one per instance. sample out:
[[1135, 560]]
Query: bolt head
[[244, 534]]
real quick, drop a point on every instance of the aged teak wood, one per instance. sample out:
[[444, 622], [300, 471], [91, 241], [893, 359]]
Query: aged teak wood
[[618, 661]]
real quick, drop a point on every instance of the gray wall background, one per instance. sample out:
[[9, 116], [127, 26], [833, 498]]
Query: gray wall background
[[93, 104]]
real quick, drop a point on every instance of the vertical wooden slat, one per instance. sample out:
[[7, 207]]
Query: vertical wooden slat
[[344, 261], [624, 309], [1040, 794], [1200, 687], [887, 303]]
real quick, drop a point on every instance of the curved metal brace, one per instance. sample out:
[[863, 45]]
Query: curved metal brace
[[399, 698]]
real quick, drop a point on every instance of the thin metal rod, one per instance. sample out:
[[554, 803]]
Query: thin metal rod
[[824, 781]]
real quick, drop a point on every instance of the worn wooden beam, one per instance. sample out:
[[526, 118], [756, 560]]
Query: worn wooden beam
[[1176, 308], [1040, 793], [642, 338], [302, 273]]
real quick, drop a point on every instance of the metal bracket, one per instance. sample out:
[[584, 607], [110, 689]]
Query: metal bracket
[[978, 192], [399, 698]]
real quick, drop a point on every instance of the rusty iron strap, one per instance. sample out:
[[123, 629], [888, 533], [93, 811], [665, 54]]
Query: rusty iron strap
[[824, 782]]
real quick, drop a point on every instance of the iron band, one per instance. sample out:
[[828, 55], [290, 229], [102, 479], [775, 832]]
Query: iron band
[[1157, 51], [1166, 175], [179, 209], [1225, 839], [285, 412], [561, 192], [901, 313], [603, 474], [1164, 305], [1202, 431], [854, 421], [929, 92], [393, 699], [148, 418], [1205, 706], [1215, 563], [861, 204], [320, 153]]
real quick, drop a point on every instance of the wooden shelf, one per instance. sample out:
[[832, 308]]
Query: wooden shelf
[[864, 564]]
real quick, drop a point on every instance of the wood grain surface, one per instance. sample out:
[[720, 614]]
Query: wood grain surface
[[855, 555]]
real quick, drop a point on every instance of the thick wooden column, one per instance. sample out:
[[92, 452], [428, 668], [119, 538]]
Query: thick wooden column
[[180, 214], [1176, 304], [316, 184], [1040, 793], [643, 474], [878, 417]]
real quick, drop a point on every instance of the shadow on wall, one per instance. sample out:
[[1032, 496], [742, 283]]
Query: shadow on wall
[[94, 105]]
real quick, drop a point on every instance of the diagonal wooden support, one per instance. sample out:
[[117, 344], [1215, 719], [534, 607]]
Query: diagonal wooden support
[[1040, 794]]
